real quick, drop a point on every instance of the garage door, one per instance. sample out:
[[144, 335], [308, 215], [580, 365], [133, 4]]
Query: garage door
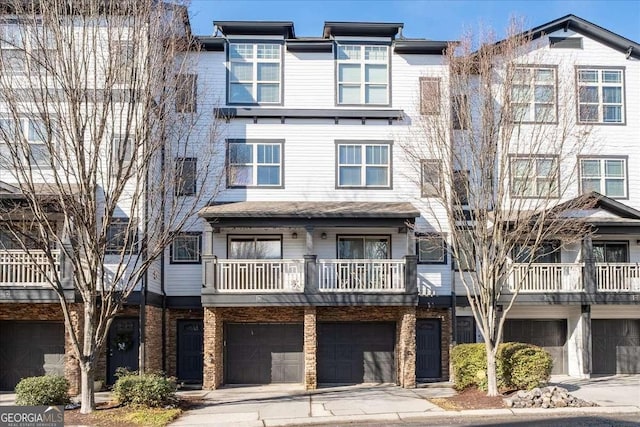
[[29, 349], [351, 353], [616, 346], [548, 334], [263, 353]]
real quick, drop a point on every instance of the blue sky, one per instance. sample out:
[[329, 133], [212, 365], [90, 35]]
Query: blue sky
[[441, 20]]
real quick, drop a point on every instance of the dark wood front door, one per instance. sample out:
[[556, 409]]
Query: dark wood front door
[[190, 350], [124, 339]]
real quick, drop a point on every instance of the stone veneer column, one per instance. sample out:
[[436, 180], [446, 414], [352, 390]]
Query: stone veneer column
[[213, 341], [310, 349], [153, 337], [71, 365], [407, 347]]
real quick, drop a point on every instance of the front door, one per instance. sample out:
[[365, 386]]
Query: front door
[[190, 350], [428, 349], [124, 339]]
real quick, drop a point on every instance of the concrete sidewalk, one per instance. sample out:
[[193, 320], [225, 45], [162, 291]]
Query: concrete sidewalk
[[280, 405]]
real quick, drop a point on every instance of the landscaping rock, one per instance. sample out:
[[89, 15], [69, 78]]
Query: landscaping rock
[[545, 397]]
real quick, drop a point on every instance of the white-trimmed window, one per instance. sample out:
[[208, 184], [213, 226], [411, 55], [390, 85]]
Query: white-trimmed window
[[534, 177], [533, 94], [37, 149], [607, 176], [362, 74], [23, 43], [431, 177], [600, 95], [364, 164], [255, 73], [255, 163], [186, 248], [431, 248]]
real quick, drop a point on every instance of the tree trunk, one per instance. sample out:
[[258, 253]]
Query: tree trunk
[[87, 397], [492, 380]]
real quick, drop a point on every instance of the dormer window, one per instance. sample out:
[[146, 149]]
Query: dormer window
[[362, 74], [255, 73]]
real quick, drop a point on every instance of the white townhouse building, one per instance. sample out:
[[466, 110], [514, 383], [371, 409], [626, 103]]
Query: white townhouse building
[[308, 267]]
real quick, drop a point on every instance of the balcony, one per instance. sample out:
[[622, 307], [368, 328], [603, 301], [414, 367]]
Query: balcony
[[618, 277], [370, 275], [544, 278], [251, 276], [18, 268], [308, 276]]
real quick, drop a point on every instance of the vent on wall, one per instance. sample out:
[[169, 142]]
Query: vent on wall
[[565, 42]]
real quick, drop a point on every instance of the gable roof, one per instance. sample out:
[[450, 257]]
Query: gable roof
[[582, 26]]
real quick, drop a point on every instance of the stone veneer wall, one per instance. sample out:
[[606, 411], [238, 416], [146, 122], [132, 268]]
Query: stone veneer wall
[[310, 349], [172, 317], [153, 338], [444, 314]]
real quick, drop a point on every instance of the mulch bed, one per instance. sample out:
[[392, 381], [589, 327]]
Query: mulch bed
[[471, 398]]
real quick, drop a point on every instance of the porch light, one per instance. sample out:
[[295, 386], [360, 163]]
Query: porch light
[[294, 235], [323, 236]]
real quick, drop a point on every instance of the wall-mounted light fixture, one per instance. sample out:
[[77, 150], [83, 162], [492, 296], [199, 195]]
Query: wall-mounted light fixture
[[294, 235], [323, 236]]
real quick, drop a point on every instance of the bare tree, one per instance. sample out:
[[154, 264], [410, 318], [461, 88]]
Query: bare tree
[[501, 168], [99, 132]]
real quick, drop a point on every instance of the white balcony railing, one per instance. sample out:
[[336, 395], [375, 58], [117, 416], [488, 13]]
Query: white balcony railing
[[552, 277], [18, 267], [260, 275], [618, 277], [361, 275]]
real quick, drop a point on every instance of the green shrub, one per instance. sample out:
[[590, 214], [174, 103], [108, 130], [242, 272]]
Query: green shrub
[[149, 389], [42, 391], [518, 366]]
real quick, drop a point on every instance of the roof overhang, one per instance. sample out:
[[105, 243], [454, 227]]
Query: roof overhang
[[422, 47], [354, 214], [256, 28], [361, 29]]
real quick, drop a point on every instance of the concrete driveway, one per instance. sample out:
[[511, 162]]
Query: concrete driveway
[[616, 390]]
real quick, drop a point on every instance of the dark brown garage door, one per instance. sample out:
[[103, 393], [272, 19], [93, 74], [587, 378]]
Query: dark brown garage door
[[263, 353], [352, 353], [616, 346], [29, 349], [548, 334]]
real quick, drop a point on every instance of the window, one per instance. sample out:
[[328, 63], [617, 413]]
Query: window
[[364, 164], [600, 95], [122, 155], [545, 253], [429, 95], [255, 247], [611, 252], [254, 164], [22, 48], [461, 187], [37, 150], [534, 177], [186, 93], [431, 248], [186, 248], [533, 94], [604, 175], [364, 247], [465, 330], [460, 112], [122, 62], [122, 235], [431, 178], [186, 173], [466, 257], [254, 73], [565, 42], [363, 74]]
